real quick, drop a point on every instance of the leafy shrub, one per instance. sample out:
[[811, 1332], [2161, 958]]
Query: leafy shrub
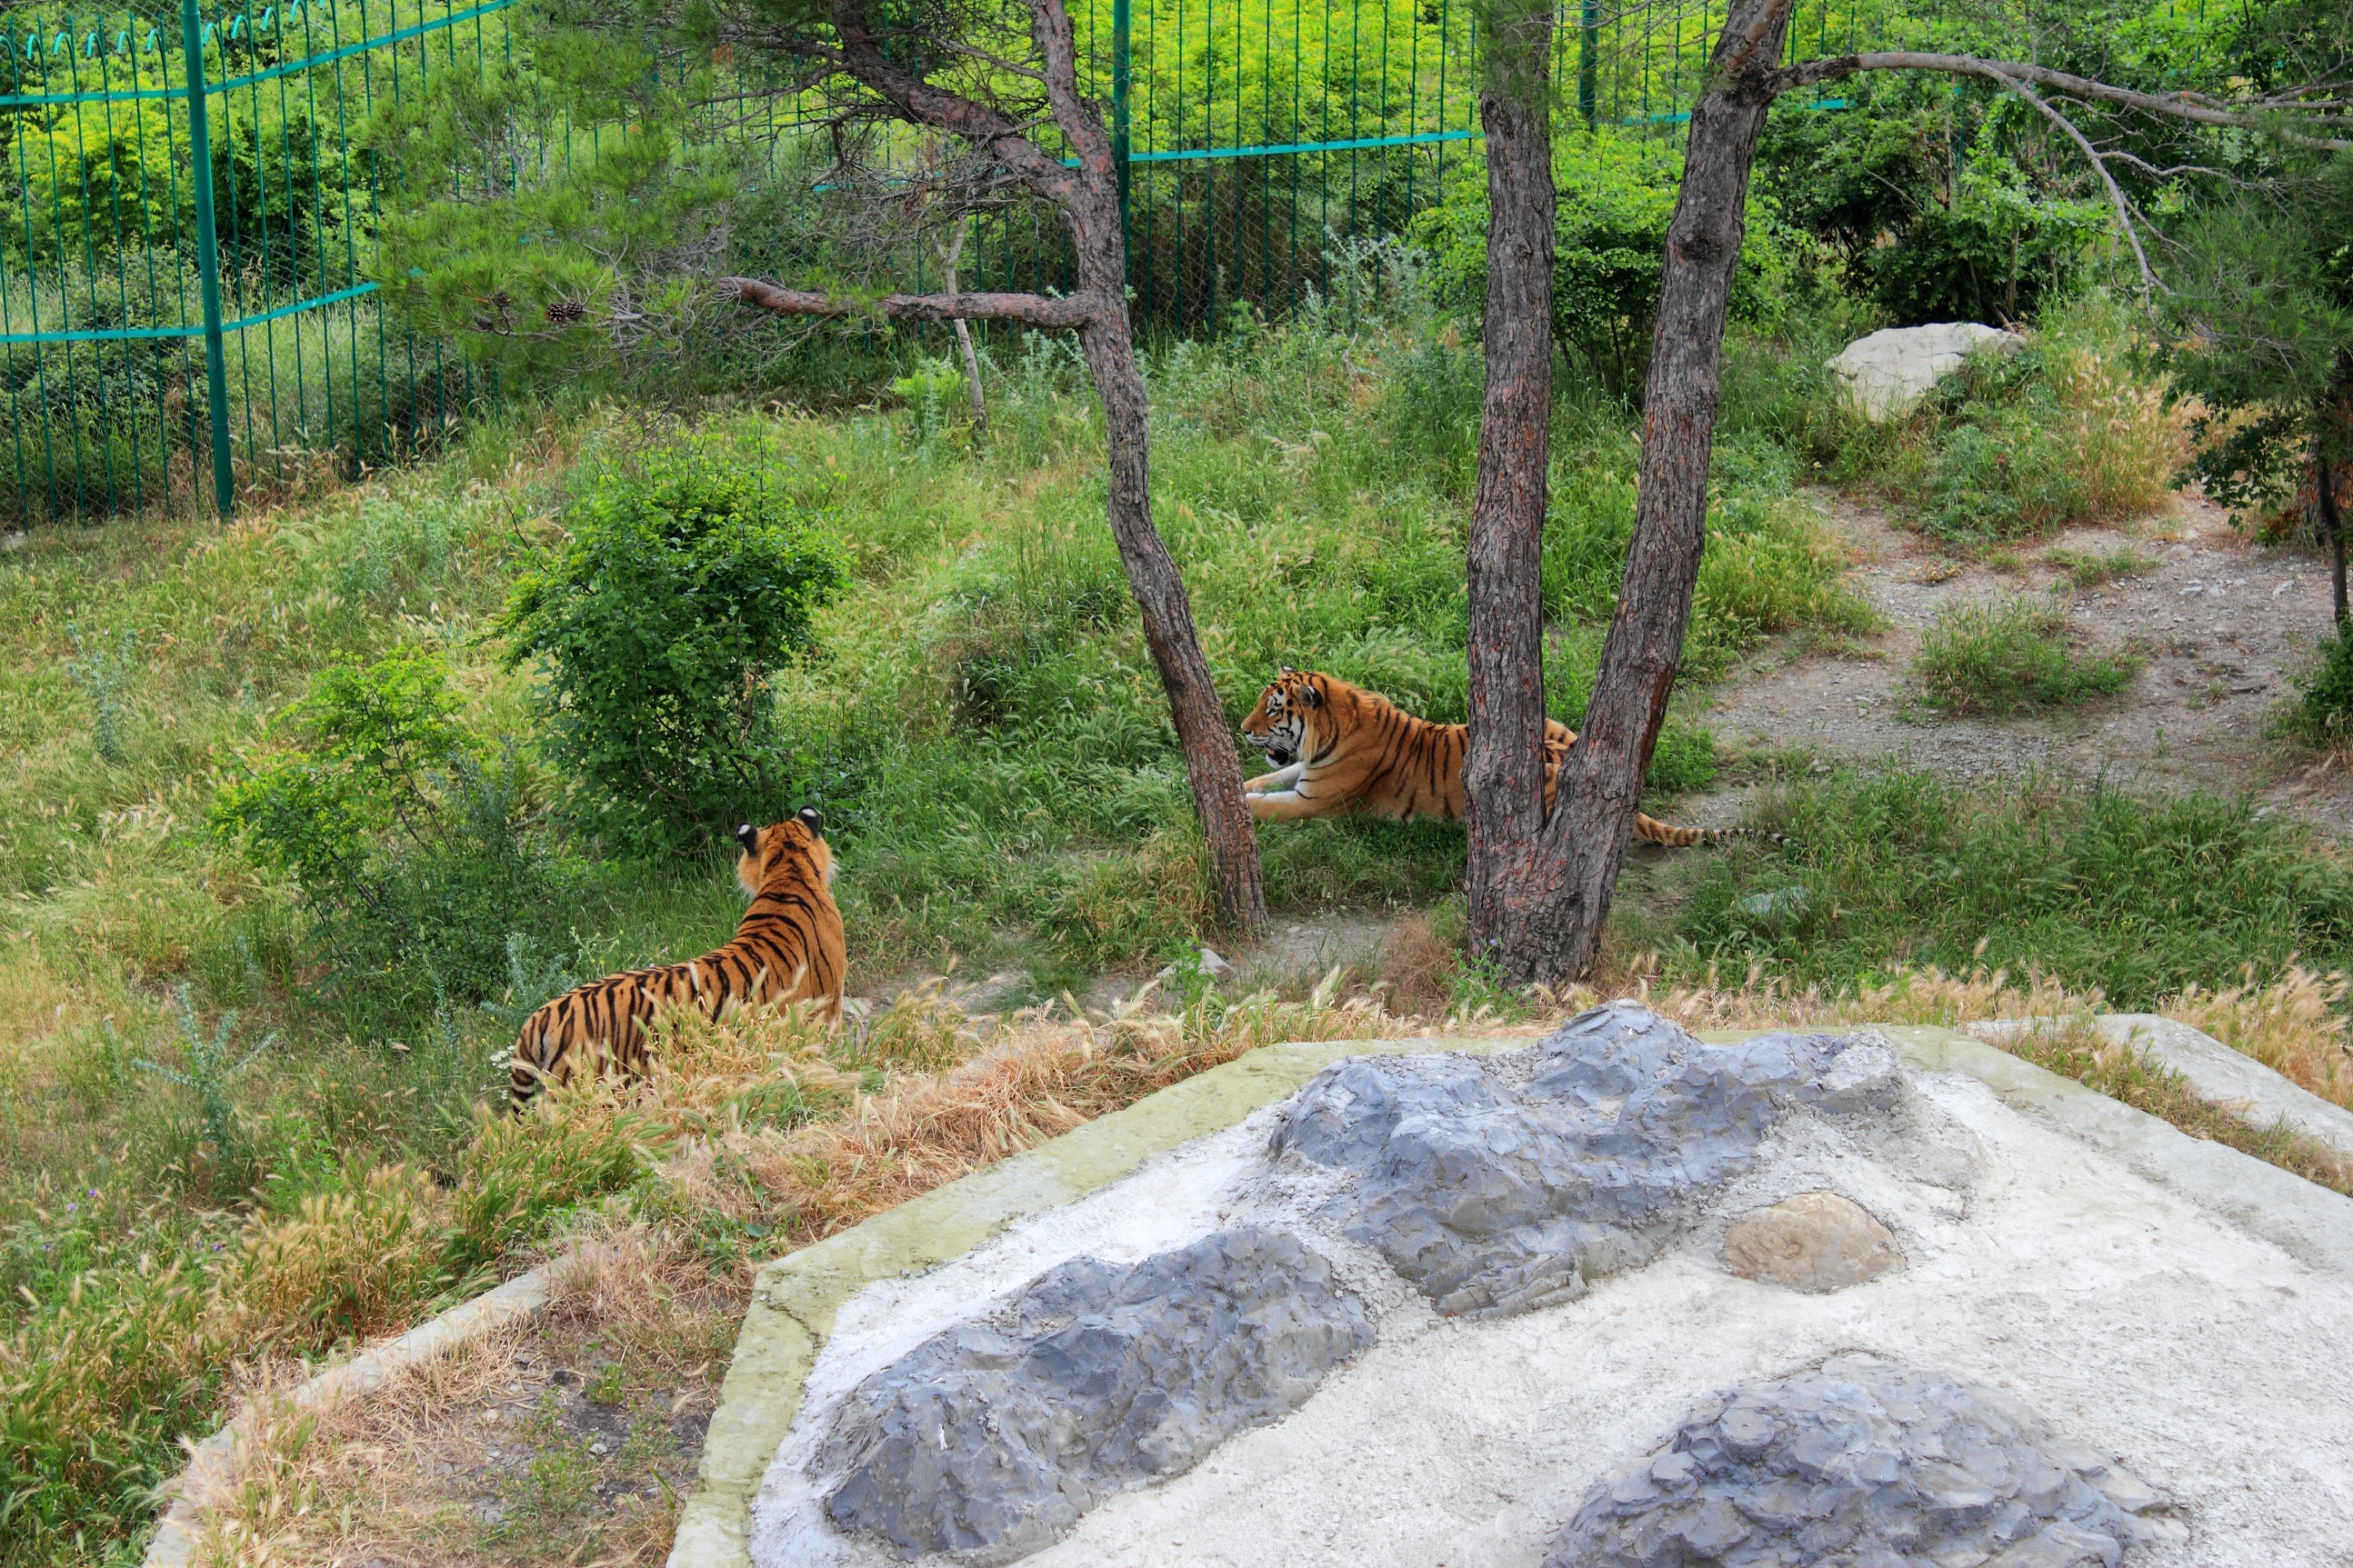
[[2011, 658], [2322, 714], [417, 847], [1925, 234], [934, 392], [687, 584], [1617, 194]]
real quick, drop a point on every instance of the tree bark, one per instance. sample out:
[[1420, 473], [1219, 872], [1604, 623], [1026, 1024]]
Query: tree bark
[[2332, 519], [949, 256], [1087, 191], [1502, 772], [1554, 899]]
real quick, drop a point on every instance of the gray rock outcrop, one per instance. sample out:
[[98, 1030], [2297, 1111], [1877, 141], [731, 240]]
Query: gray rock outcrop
[[992, 1438], [1863, 1464], [1889, 371], [1499, 1183], [1815, 1242]]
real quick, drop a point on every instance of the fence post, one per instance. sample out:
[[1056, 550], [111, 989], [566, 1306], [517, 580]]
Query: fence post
[[1120, 137], [200, 153], [1588, 65]]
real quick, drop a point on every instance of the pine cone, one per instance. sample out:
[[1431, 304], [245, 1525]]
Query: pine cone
[[563, 312]]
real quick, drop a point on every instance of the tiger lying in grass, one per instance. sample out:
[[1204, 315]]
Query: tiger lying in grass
[[789, 948], [1343, 749]]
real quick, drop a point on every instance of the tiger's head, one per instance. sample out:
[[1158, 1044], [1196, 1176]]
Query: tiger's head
[[1286, 709], [796, 843]]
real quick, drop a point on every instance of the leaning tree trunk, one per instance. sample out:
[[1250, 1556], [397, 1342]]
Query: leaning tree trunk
[[1210, 766], [2329, 438], [1553, 897], [1502, 774]]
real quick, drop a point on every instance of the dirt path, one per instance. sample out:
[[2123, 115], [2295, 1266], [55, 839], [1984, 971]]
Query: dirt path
[[2222, 624]]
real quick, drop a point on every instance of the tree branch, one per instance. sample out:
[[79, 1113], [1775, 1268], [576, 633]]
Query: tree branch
[[924, 104], [1031, 309], [2148, 283], [1050, 28], [2251, 116]]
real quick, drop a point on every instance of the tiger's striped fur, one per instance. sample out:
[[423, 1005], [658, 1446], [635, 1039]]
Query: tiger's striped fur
[[1343, 749], [789, 948]]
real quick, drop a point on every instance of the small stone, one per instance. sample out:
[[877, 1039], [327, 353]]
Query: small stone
[[1816, 1242], [2127, 1490], [596, 1448]]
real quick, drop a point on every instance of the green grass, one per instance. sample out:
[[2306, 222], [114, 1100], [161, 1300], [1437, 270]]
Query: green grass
[[2010, 656], [984, 728], [2078, 881], [2085, 568]]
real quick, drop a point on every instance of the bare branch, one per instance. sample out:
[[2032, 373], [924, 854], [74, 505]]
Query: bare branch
[[2168, 173], [920, 102], [1031, 309], [2252, 115]]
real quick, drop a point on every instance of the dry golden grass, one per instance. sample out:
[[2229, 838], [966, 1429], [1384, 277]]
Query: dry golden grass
[[2122, 440], [2292, 1026]]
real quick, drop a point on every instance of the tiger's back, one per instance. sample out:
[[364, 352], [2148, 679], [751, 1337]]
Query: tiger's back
[[789, 947], [1344, 748]]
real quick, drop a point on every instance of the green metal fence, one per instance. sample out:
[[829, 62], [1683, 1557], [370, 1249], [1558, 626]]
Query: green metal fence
[[184, 239], [187, 224]]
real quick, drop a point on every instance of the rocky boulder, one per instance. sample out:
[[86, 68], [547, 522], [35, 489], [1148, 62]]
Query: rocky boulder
[[1500, 1182], [991, 1439], [1890, 371], [1868, 1464]]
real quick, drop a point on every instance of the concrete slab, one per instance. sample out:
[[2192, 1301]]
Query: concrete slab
[[797, 1300], [2228, 1077]]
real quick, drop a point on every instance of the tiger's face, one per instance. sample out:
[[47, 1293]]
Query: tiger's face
[[768, 851], [1278, 725]]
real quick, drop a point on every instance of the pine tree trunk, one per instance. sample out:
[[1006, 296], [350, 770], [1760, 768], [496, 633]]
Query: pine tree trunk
[[1552, 900], [2329, 438], [1502, 771], [1211, 767]]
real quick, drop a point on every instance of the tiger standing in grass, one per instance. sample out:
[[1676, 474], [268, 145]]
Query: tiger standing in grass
[[789, 948], [1342, 749]]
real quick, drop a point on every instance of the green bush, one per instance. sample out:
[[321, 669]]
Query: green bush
[[687, 584], [1934, 224], [417, 846], [2322, 714], [1617, 194], [2011, 658]]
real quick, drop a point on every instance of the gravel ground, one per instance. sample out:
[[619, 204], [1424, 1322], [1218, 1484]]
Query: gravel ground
[[2223, 624]]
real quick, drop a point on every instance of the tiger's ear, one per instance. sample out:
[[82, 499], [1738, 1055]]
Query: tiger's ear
[[810, 819], [1284, 670], [1312, 695], [749, 837]]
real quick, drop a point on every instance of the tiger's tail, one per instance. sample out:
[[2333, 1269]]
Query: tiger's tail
[[1651, 830]]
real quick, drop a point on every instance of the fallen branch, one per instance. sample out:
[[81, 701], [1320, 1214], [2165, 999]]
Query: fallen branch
[[1033, 310]]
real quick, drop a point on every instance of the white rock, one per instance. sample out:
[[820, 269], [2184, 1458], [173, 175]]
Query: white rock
[[1890, 371]]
